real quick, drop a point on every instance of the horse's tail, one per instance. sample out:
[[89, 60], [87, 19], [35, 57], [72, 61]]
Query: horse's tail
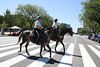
[[19, 37]]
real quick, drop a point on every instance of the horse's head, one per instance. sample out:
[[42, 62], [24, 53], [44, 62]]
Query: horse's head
[[70, 31], [66, 30]]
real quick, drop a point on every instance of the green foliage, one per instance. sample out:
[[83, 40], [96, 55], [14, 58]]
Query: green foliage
[[25, 17], [8, 18], [62, 25], [31, 12], [83, 31], [91, 11], [1, 19], [91, 15], [4, 25], [47, 21]]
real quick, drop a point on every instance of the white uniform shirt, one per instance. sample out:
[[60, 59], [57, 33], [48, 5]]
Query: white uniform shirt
[[37, 23], [54, 25]]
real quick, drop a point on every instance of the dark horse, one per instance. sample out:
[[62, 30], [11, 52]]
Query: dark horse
[[31, 36], [60, 36]]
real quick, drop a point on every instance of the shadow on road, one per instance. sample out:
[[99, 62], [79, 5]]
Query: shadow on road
[[51, 61]]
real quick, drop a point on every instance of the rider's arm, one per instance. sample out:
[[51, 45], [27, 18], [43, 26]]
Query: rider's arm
[[53, 27]]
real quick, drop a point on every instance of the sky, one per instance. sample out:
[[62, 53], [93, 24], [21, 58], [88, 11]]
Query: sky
[[66, 11]]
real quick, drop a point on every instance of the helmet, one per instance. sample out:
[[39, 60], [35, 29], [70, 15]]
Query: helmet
[[55, 20], [38, 17]]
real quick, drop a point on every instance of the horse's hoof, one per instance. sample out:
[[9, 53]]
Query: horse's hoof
[[50, 57], [55, 51], [19, 51], [28, 54], [41, 56]]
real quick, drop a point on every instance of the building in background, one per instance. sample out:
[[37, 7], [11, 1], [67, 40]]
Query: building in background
[[68, 25]]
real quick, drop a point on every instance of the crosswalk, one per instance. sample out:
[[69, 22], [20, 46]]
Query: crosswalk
[[10, 57]]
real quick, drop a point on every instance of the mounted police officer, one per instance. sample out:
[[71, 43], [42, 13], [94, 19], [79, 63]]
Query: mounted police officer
[[54, 26], [38, 28]]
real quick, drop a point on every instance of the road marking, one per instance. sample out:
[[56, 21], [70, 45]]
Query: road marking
[[98, 47], [42, 61], [67, 58], [7, 44], [4, 45], [5, 48], [94, 50], [75, 39], [87, 60], [14, 51], [13, 46], [17, 59]]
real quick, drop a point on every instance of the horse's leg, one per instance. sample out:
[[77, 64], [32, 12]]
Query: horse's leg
[[49, 49], [63, 46], [26, 47], [21, 46], [56, 45], [41, 49], [44, 48]]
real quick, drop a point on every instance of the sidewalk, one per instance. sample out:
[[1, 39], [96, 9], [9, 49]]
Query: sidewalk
[[86, 36], [5, 33]]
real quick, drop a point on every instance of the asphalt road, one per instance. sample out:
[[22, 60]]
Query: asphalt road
[[80, 52]]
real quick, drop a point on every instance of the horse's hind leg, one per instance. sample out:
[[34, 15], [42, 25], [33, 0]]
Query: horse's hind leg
[[44, 48], [26, 48], [41, 50], [49, 49], [56, 45], [21, 46]]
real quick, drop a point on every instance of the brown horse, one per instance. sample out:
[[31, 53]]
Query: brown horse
[[59, 34], [31, 36]]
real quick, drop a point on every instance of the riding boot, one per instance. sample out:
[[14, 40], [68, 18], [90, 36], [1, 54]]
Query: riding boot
[[38, 41]]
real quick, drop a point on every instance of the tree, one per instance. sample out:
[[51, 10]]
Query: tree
[[7, 18], [31, 12], [1, 19], [4, 25], [47, 21], [83, 31], [62, 25], [91, 11]]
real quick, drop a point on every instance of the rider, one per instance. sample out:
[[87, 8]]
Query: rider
[[38, 28], [54, 26]]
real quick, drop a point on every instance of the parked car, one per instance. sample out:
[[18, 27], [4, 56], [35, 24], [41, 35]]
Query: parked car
[[89, 36], [97, 38], [16, 33], [93, 37]]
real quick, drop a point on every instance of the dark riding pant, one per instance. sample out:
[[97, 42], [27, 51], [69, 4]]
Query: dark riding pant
[[38, 33]]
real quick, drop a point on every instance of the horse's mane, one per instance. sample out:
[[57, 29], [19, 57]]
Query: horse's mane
[[64, 31]]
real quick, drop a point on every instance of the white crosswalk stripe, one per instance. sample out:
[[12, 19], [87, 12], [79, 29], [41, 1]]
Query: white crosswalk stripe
[[44, 60], [94, 50], [98, 47], [14, 51], [5, 48], [6, 44], [66, 60], [12, 61], [13, 46], [87, 60]]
